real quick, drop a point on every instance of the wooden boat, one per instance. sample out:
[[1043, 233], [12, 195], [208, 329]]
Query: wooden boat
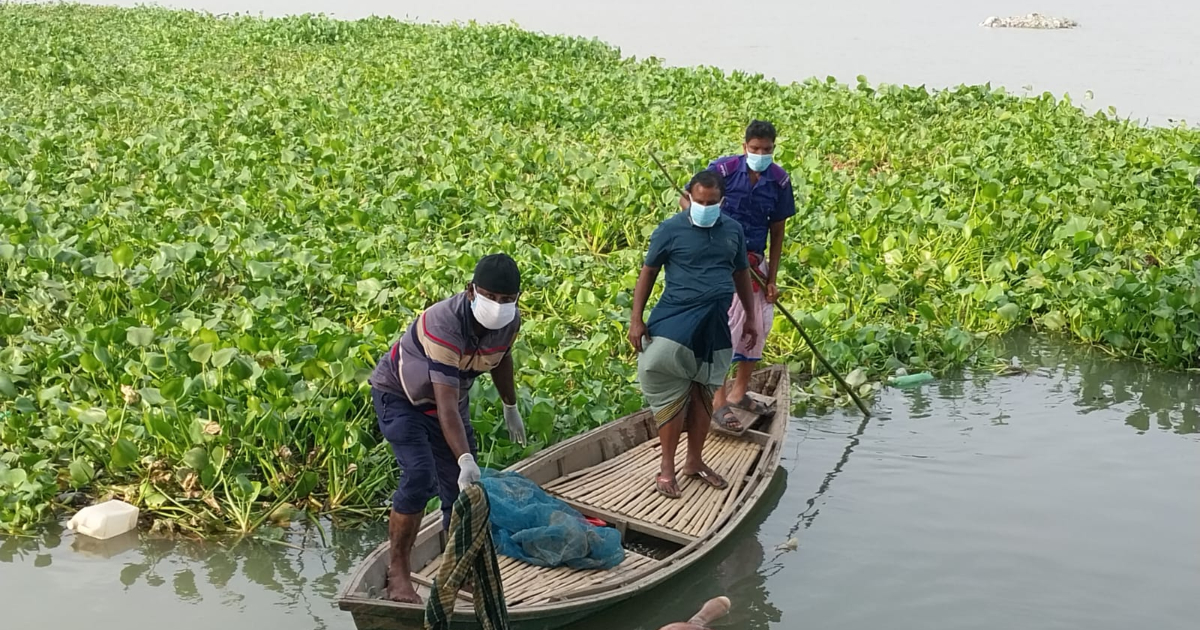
[[606, 473]]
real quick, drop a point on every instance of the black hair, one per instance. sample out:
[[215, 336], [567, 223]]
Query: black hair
[[708, 179], [760, 129]]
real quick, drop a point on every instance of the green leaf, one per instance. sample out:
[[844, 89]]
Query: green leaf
[[887, 290], [306, 484], [222, 357], [173, 389], [241, 369], [123, 255], [576, 355], [140, 337], [82, 472], [12, 325], [587, 311], [1009, 311], [123, 454], [245, 489], [990, 191], [7, 388], [212, 399], [259, 271], [1054, 320], [105, 267], [13, 477], [93, 415], [196, 458], [50, 393], [201, 353], [277, 378], [7, 252], [152, 396], [90, 363]]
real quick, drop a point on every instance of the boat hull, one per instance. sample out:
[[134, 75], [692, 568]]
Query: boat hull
[[602, 473]]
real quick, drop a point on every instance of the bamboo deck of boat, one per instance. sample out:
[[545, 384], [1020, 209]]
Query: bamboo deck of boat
[[606, 473]]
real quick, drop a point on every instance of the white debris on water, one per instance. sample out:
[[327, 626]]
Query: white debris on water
[[1033, 20]]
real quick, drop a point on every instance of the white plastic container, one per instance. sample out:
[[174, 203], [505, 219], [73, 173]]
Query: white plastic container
[[104, 520]]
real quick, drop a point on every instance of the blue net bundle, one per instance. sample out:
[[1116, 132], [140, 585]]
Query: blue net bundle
[[530, 525]]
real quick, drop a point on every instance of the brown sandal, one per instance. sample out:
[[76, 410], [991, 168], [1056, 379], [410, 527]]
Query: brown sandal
[[667, 486], [710, 477], [750, 404], [722, 419]]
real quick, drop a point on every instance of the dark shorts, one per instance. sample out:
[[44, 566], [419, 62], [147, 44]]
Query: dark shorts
[[428, 467]]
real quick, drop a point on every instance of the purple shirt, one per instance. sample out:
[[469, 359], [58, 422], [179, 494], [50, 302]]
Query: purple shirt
[[770, 201]]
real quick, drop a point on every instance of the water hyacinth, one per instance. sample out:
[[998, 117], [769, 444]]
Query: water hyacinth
[[212, 227]]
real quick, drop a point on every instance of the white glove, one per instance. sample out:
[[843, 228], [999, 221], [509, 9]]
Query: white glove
[[516, 426], [468, 471]]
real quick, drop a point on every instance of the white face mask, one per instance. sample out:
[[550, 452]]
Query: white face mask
[[492, 315]]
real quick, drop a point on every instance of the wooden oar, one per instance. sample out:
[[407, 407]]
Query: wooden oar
[[812, 346]]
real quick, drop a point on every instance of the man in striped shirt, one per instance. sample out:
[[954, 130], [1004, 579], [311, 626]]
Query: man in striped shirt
[[420, 390]]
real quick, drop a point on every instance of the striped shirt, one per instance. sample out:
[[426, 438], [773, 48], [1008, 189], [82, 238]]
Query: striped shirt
[[441, 347]]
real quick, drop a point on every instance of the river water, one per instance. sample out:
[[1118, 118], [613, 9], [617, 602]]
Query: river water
[[1142, 58], [1067, 498]]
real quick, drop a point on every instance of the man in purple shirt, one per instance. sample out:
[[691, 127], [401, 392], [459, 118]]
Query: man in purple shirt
[[758, 195]]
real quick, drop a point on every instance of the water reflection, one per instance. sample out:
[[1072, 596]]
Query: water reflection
[[1146, 396], [301, 576]]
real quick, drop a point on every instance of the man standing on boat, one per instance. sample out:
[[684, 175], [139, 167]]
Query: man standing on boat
[[685, 349], [758, 195], [420, 391]]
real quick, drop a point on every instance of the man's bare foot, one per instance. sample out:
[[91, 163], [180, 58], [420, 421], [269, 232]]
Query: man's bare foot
[[403, 591]]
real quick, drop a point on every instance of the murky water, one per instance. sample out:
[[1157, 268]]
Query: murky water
[[1140, 57], [1062, 499]]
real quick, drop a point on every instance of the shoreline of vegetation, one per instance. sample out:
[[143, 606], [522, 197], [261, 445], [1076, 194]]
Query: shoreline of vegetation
[[212, 227]]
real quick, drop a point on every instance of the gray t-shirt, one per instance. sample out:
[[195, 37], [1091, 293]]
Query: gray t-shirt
[[441, 347]]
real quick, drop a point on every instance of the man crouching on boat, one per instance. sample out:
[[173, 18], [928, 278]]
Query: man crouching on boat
[[686, 349], [420, 390]]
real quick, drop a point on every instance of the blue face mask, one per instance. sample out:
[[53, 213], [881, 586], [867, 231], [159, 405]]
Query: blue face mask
[[758, 163], [704, 216]]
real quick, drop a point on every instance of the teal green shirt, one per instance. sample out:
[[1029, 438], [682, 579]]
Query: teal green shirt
[[699, 262]]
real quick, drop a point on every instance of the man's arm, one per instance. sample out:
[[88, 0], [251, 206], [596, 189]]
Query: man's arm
[[446, 399], [641, 293], [502, 376]]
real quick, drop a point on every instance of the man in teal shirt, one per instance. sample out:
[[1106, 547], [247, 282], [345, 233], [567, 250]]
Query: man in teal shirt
[[686, 349]]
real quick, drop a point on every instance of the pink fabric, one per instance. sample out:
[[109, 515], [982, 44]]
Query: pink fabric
[[737, 321]]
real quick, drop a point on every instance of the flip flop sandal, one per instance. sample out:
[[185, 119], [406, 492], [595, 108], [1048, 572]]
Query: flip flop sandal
[[753, 406], [664, 489], [711, 478], [721, 419]]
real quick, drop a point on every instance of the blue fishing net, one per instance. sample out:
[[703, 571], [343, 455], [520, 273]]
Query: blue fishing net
[[530, 525]]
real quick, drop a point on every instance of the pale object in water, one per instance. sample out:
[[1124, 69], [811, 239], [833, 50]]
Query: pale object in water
[[1033, 20], [104, 520]]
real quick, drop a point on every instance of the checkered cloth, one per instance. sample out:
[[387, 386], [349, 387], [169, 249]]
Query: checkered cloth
[[470, 553]]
